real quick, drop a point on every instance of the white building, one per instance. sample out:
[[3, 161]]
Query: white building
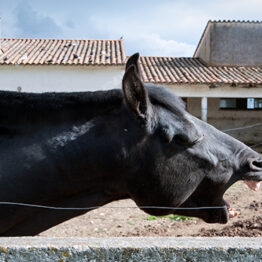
[[60, 65]]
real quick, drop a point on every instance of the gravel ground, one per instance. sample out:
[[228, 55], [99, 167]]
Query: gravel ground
[[106, 222]]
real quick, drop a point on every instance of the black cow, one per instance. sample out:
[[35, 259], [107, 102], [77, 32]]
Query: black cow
[[88, 149]]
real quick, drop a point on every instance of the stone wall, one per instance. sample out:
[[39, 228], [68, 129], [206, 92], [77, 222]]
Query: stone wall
[[140, 249]]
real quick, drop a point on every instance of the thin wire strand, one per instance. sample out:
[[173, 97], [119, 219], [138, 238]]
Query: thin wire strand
[[245, 127], [242, 127], [256, 145], [124, 207]]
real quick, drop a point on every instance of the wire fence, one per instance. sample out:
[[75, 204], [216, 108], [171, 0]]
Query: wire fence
[[243, 128], [125, 207], [256, 145]]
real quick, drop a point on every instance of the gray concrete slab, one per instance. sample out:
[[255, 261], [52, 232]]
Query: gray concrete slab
[[130, 249]]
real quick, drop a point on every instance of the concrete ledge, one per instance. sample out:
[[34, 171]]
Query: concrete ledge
[[25, 249]]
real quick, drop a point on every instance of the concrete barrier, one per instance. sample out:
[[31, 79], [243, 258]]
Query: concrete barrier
[[140, 249]]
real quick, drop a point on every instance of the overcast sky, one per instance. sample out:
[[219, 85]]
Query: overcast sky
[[160, 28]]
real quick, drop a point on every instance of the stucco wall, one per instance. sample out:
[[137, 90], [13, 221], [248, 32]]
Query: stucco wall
[[227, 119], [234, 43], [203, 50], [67, 78]]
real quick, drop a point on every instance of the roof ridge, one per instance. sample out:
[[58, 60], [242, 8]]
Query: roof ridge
[[58, 39], [169, 56], [235, 21]]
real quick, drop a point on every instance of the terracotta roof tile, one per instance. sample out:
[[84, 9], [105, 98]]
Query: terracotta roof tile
[[174, 70], [33, 51]]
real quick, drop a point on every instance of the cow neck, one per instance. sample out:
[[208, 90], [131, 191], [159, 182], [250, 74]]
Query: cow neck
[[22, 110]]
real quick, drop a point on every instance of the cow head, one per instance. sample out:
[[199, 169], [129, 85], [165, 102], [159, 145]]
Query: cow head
[[177, 159]]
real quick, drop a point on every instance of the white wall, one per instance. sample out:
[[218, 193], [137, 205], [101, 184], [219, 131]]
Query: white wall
[[200, 90], [51, 78], [69, 78]]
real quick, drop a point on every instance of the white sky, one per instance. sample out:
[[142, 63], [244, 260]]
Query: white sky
[[161, 28]]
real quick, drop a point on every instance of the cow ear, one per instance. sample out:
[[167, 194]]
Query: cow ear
[[135, 93], [133, 60]]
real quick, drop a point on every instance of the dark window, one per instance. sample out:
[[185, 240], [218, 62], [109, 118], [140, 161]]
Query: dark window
[[241, 103], [257, 103]]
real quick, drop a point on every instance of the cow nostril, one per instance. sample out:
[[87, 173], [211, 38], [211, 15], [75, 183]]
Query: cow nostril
[[258, 163], [255, 164]]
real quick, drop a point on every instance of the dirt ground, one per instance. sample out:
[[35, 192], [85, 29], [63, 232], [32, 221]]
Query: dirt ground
[[106, 222]]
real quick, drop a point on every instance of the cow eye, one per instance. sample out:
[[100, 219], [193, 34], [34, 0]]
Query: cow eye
[[181, 139], [186, 140]]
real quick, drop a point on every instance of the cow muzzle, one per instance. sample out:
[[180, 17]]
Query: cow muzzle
[[253, 172], [254, 176]]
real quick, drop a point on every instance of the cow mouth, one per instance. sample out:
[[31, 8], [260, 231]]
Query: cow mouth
[[224, 211], [252, 179], [231, 212], [251, 176]]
